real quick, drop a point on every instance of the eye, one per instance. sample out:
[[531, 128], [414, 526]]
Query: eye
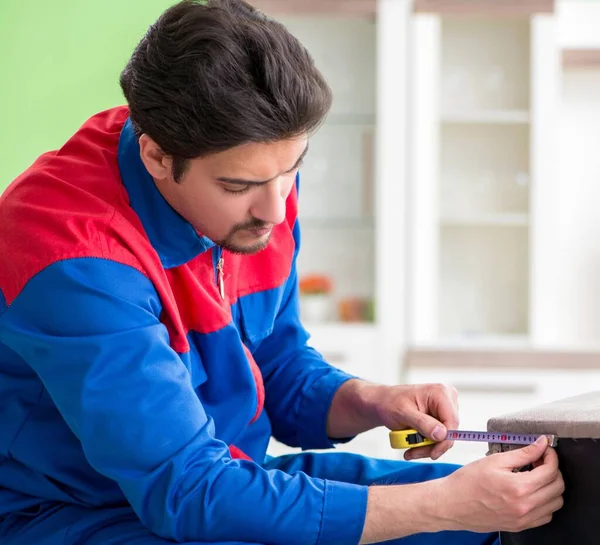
[[241, 191], [295, 170]]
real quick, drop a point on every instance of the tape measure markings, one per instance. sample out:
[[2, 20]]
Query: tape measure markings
[[496, 437], [411, 438]]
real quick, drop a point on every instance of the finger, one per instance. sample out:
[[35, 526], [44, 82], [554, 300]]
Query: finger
[[548, 494], [452, 423], [445, 406], [426, 425], [440, 449], [431, 451], [454, 393], [548, 509], [550, 458], [541, 515], [418, 453], [544, 459], [542, 521], [546, 471], [515, 459], [555, 505]]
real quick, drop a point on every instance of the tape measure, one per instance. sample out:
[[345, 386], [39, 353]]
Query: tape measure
[[405, 439]]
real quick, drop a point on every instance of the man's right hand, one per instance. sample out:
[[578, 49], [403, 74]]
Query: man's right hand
[[487, 495], [484, 496]]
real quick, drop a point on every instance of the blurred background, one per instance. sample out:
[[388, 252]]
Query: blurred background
[[450, 204]]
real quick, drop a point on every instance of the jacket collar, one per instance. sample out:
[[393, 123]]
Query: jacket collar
[[173, 238]]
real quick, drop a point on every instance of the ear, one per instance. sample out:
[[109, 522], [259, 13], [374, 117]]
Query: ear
[[157, 163]]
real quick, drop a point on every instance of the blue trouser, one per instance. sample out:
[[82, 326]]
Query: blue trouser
[[76, 525]]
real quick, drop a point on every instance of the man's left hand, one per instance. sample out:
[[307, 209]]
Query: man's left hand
[[431, 409]]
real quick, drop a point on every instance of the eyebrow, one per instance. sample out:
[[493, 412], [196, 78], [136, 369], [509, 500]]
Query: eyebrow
[[239, 181]]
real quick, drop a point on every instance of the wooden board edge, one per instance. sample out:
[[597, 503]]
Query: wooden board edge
[[352, 8], [489, 359], [485, 7], [581, 58]]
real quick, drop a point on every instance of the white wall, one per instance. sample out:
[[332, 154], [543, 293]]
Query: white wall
[[578, 23], [578, 224]]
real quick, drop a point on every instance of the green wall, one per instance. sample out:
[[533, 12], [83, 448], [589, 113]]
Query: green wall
[[60, 62]]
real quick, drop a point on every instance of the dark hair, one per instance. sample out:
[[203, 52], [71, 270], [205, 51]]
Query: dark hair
[[213, 74]]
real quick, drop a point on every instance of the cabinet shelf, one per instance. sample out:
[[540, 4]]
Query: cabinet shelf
[[337, 223], [336, 328], [487, 341], [339, 119], [487, 220], [501, 117]]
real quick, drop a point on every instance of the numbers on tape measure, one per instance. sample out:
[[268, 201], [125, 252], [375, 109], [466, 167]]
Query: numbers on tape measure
[[492, 437], [412, 438]]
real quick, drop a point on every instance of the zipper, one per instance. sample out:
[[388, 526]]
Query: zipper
[[220, 262]]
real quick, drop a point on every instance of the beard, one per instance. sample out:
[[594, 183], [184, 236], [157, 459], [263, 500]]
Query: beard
[[230, 243]]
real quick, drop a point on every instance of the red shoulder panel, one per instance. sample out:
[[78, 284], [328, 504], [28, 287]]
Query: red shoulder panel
[[53, 210]]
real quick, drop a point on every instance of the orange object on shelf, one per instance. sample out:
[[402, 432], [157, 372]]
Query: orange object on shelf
[[311, 284], [355, 309]]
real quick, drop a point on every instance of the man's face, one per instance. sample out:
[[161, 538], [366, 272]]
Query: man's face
[[236, 197]]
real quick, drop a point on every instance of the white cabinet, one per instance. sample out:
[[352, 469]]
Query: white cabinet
[[482, 188], [503, 177]]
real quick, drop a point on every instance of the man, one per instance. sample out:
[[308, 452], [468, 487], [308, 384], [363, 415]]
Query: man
[[149, 335]]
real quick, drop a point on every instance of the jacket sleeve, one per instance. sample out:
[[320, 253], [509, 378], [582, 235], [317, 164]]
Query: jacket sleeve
[[299, 384], [89, 329]]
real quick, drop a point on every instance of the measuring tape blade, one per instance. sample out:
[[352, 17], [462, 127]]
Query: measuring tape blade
[[405, 439], [495, 437]]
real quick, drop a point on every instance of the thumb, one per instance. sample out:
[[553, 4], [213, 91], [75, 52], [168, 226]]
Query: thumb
[[527, 455], [426, 425]]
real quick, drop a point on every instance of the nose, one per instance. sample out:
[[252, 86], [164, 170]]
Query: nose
[[270, 204]]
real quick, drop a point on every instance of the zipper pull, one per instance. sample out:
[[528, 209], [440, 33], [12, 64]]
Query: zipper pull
[[220, 277]]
